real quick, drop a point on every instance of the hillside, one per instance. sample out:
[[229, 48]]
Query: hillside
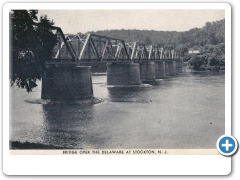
[[209, 40], [146, 37], [211, 33]]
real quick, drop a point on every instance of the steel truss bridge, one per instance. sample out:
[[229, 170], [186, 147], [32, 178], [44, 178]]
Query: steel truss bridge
[[97, 48]]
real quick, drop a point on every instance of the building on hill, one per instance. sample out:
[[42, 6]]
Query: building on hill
[[192, 51]]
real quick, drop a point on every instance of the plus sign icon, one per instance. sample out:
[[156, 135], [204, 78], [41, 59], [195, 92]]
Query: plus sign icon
[[227, 145]]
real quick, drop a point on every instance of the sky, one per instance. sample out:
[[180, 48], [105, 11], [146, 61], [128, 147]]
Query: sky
[[74, 21]]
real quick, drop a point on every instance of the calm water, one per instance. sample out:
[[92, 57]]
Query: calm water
[[186, 111]]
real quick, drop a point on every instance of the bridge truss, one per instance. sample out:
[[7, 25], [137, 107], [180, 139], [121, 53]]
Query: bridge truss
[[93, 47]]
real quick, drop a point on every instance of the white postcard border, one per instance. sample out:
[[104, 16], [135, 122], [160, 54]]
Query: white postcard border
[[114, 164]]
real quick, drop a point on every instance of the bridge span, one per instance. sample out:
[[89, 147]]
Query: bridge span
[[68, 73]]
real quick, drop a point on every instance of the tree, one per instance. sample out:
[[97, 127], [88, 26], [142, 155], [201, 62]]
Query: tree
[[30, 47], [169, 46], [196, 62], [182, 49], [148, 41]]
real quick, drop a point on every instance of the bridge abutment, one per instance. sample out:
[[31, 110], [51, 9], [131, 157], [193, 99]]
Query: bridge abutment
[[67, 81], [123, 74]]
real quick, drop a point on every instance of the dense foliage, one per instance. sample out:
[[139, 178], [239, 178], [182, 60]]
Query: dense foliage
[[209, 40], [210, 57], [30, 47]]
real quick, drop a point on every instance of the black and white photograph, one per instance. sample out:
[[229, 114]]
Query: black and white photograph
[[119, 88], [116, 79]]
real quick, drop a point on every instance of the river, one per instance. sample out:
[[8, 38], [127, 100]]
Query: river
[[185, 111]]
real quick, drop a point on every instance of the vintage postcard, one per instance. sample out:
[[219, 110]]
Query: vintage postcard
[[115, 83]]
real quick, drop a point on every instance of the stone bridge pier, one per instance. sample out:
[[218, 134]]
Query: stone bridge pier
[[174, 72], [123, 74], [67, 81], [170, 68], [179, 65], [147, 72], [160, 71]]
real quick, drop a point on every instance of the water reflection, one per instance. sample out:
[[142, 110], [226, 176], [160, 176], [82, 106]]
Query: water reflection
[[66, 122], [128, 94], [207, 73]]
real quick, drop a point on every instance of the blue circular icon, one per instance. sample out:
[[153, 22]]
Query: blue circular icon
[[227, 145]]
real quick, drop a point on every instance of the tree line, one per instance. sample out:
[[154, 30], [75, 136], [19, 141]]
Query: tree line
[[209, 40]]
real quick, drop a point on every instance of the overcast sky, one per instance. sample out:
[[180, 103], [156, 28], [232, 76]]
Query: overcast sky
[[74, 21]]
